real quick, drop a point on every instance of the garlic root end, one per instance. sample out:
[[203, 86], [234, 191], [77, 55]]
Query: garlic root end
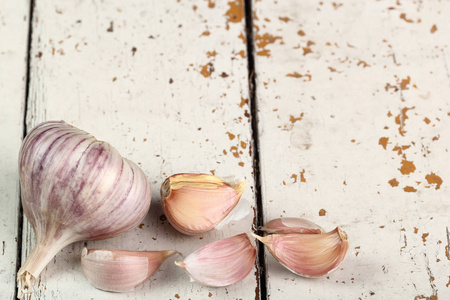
[[25, 283]]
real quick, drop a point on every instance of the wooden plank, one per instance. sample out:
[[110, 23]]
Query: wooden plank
[[14, 23], [165, 82], [353, 97]]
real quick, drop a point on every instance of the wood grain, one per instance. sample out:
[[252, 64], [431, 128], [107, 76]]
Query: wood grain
[[353, 118], [165, 82], [14, 20]]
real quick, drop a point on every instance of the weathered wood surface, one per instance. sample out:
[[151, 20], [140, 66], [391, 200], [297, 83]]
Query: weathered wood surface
[[354, 110], [13, 60], [165, 82]]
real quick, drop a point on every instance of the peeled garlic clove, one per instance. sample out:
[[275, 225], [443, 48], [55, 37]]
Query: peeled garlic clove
[[74, 188], [291, 225], [221, 263], [121, 271], [196, 203], [309, 255]]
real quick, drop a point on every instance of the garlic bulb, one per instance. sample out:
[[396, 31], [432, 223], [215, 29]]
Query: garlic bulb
[[309, 255], [121, 271], [221, 263], [291, 225], [75, 188], [196, 203]]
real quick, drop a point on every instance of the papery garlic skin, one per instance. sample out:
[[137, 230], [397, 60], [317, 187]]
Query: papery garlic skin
[[121, 271], [308, 255], [75, 188], [291, 225], [221, 263], [196, 203]]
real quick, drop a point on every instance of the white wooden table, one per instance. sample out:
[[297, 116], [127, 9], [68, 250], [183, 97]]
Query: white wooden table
[[343, 120]]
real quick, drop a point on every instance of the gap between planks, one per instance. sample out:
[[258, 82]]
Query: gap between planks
[[24, 133], [259, 221]]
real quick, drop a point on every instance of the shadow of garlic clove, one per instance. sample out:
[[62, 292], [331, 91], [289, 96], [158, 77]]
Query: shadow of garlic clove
[[121, 271], [197, 203], [291, 225], [221, 263], [308, 255]]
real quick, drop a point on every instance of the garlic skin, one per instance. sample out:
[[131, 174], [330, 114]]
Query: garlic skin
[[291, 225], [221, 263], [196, 203], [74, 188], [308, 255], [121, 271]]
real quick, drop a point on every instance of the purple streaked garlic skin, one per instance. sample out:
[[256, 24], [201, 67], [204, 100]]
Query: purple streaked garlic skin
[[291, 225], [221, 263], [75, 188], [121, 271]]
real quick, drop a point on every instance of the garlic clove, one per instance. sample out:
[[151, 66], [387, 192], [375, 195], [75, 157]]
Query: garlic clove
[[196, 203], [291, 225], [73, 188], [309, 255], [121, 271], [221, 263]]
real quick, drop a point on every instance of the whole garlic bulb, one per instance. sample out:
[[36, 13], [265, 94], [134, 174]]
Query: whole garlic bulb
[[75, 188]]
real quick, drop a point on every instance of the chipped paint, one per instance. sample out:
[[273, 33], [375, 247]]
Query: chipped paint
[[211, 53], [235, 13], [244, 102], [322, 212], [293, 119], [211, 3], [403, 17], [409, 189], [433, 28], [400, 149], [407, 167], [383, 142], [363, 64], [207, 70], [424, 237], [302, 176], [434, 179], [404, 83], [298, 75], [400, 120], [263, 40], [230, 135], [393, 182]]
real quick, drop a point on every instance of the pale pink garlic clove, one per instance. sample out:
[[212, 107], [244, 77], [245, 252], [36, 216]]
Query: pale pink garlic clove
[[291, 225], [196, 203], [221, 263], [309, 255], [121, 271]]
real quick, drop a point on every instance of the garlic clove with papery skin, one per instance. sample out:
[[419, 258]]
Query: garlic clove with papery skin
[[291, 225], [196, 203], [74, 188], [308, 255], [121, 271], [221, 263]]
